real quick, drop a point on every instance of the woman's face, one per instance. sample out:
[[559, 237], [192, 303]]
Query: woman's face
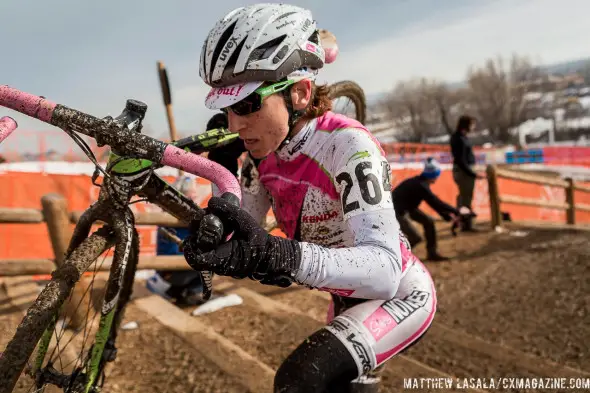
[[264, 130]]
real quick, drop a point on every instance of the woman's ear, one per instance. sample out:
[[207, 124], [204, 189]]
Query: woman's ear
[[301, 94]]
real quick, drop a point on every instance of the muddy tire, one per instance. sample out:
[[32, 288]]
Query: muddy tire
[[354, 93], [44, 310]]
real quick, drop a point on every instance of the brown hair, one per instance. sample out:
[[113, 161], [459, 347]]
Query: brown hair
[[320, 102], [464, 123]]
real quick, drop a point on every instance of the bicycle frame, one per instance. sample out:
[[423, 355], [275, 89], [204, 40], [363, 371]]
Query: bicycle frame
[[129, 173]]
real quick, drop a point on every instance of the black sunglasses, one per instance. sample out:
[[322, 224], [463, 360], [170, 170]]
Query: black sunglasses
[[253, 102]]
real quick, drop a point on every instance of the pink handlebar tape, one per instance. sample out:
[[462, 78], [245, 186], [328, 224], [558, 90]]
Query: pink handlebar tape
[[7, 125], [202, 167], [28, 104]]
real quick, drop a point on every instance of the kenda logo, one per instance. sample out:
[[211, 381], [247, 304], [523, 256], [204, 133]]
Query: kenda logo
[[320, 218]]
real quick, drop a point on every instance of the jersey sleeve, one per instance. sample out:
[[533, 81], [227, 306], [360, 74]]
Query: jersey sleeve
[[372, 267]]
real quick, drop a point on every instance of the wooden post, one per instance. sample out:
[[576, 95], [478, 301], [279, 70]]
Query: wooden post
[[55, 212], [167, 97], [569, 198], [495, 214]]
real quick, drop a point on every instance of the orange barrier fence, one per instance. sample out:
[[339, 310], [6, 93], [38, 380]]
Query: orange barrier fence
[[569, 200], [52, 144], [24, 190], [47, 145]]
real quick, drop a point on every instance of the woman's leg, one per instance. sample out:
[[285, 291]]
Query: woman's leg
[[316, 362], [360, 340]]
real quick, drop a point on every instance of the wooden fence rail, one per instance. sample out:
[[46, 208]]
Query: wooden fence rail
[[31, 267], [496, 198], [9, 215], [57, 217], [58, 220]]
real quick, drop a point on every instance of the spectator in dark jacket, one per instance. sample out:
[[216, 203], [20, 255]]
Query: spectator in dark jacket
[[408, 196], [463, 162]]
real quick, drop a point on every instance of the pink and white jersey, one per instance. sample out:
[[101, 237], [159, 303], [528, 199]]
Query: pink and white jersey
[[330, 189]]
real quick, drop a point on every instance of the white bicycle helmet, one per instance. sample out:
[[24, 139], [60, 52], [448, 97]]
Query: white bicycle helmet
[[258, 43]]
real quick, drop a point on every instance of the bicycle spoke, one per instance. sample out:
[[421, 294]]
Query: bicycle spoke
[[348, 108], [86, 333], [56, 355], [57, 346]]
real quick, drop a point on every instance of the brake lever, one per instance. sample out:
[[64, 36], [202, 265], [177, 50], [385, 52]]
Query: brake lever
[[209, 236]]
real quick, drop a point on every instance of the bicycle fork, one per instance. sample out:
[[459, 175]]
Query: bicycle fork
[[121, 222], [123, 226]]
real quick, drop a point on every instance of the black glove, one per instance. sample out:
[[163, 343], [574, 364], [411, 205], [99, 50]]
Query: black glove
[[251, 252]]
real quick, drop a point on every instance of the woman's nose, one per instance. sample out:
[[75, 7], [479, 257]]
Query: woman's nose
[[236, 123]]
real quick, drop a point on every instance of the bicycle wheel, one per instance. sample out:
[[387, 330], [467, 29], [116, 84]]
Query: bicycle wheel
[[349, 91], [42, 344]]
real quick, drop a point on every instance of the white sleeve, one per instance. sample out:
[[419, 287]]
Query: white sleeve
[[372, 268]]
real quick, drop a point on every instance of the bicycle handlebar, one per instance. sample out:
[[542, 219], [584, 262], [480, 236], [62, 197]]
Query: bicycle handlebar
[[110, 132]]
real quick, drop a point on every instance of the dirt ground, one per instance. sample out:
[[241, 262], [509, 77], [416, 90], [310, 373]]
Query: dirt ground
[[526, 289], [159, 361], [150, 359], [534, 296]]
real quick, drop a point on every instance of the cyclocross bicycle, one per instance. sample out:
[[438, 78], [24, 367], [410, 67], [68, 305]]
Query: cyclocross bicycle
[[129, 173], [39, 344]]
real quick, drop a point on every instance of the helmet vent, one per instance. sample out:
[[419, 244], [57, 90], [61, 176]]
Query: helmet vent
[[285, 15], [265, 50], [220, 44], [234, 57]]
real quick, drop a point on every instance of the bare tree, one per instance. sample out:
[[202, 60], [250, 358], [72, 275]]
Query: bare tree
[[585, 72], [449, 104], [405, 108], [498, 93], [421, 108]]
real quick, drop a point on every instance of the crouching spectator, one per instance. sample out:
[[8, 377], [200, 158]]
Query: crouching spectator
[[408, 196]]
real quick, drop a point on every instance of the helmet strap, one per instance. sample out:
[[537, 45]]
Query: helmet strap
[[294, 116]]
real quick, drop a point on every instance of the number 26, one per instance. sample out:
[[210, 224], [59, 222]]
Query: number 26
[[363, 181]]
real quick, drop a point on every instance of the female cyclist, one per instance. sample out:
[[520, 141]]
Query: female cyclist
[[327, 180]]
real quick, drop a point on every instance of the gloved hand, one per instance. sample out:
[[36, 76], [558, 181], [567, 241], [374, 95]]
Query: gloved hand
[[447, 217], [251, 252]]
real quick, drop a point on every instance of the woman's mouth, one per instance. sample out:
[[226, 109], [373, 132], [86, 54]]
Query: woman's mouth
[[250, 141]]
